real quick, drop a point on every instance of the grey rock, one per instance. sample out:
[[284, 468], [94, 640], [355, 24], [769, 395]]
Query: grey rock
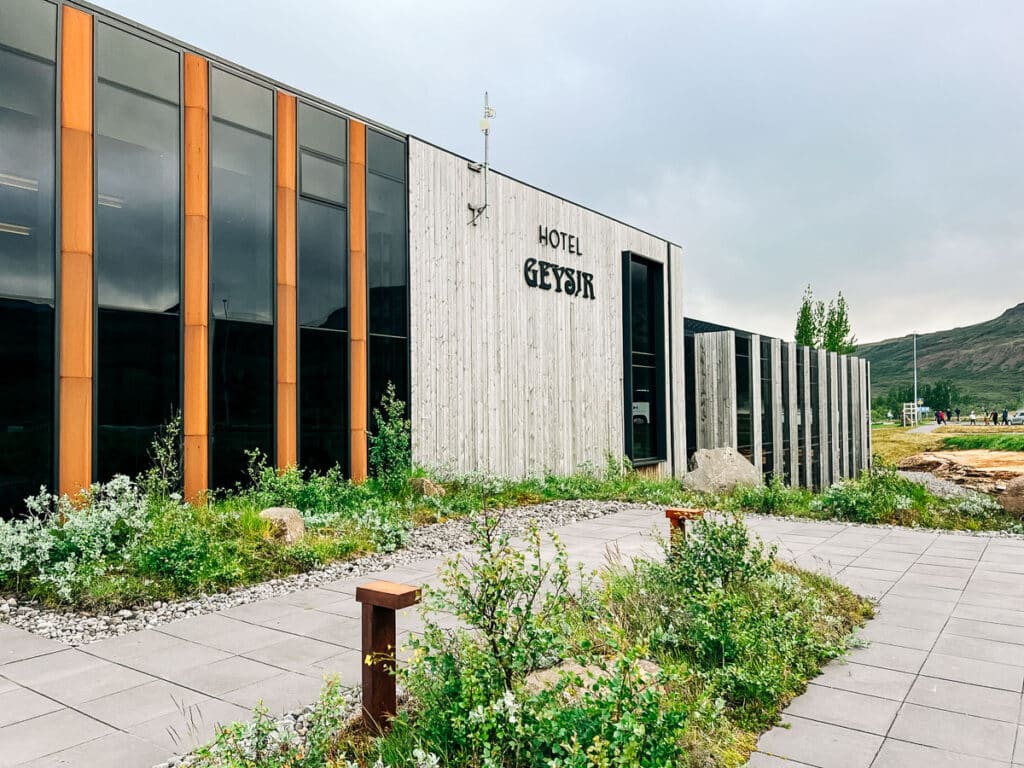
[[288, 524], [1012, 498], [720, 470], [424, 486]]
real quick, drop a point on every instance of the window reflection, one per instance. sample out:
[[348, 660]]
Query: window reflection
[[323, 398], [323, 266], [28, 34], [645, 353]]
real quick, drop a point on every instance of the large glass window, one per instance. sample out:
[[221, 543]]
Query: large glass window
[[241, 275], [138, 236], [322, 289], [645, 369], [744, 398], [28, 42], [767, 434], [387, 264]]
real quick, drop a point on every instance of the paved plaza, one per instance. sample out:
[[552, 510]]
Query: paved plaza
[[939, 684]]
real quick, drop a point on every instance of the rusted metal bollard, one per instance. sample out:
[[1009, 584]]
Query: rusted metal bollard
[[677, 518], [380, 600]]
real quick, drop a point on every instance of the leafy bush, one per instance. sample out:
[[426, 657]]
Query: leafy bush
[[880, 495], [772, 498], [389, 452]]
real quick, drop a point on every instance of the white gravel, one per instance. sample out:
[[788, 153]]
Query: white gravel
[[426, 542], [944, 488]]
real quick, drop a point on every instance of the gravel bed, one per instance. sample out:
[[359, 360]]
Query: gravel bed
[[944, 488], [425, 542]]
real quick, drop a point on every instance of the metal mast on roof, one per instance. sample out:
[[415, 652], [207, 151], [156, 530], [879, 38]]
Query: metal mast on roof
[[485, 126]]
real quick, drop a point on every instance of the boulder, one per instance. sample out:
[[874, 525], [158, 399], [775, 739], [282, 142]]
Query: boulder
[[646, 673], [288, 525], [424, 486], [720, 470], [1012, 499]]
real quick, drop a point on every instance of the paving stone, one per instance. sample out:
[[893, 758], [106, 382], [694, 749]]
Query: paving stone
[[931, 569], [890, 657], [294, 654], [972, 596], [261, 610], [223, 633], [900, 754], [227, 675], [985, 613], [761, 760], [871, 588], [1018, 748], [196, 724], [820, 744], [17, 644], [896, 634], [327, 627], [984, 630], [283, 693], [136, 705], [922, 592], [22, 704], [861, 678], [974, 672], [933, 580], [955, 732], [976, 700], [47, 734], [347, 666], [116, 749], [983, 650], [845, 708]]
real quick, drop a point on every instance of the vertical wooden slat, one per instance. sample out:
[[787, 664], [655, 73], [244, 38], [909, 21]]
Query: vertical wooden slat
[[778, 452], [287, 341], [807, 415], [792, 407], [76, 252], [357, 301], [833, 412], [756, 439], [197, 275], [822, 421]]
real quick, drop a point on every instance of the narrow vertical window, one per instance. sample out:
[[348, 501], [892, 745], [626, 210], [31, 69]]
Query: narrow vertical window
[[744, 397], [387, 265], [644, 337], [28, 35], [241, 275], [138, 261], [767, 435], [322, 289]]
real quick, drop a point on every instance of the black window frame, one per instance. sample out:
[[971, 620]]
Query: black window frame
[[657, 318]]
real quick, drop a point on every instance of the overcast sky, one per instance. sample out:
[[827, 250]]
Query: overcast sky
[[872, 147]]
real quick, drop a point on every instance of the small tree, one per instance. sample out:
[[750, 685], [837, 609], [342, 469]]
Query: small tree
[[836, 336], [389, 454], [806, 322]]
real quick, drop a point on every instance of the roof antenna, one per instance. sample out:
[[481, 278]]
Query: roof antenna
[[485, 126]]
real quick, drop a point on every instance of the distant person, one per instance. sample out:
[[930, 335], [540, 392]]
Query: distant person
[[974, 419], [986, 418], [995, 418], [957, 412], [1006, 418], [938, 418]]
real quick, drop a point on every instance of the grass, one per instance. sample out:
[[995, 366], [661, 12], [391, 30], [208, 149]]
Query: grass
[[988, 441], [680, 662], [897, 443]]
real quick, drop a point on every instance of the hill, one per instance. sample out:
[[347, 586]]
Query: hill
[[985, 361]]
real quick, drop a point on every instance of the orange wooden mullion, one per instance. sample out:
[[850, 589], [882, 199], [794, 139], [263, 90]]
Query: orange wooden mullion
[[287, 411], [197, 275], [76, 252], [357, 300]]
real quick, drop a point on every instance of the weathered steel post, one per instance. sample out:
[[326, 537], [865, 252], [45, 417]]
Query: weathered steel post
[[380, 600], [677, 518]]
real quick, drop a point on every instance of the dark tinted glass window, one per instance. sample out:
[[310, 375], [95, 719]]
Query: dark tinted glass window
[[26, 402], [236, 100], [386, 255], [241, 206], [137, 387], [323, 399], [241, 398], [322, 132], [646, 360], [323, 266], [28, 35], [767, 434], [744, 397], [389, 362], [139, 64], [138, 179], [322, 177], [641, 290], [385, 155]]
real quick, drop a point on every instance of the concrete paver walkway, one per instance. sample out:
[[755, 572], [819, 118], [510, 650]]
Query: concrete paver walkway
[[939, 685]]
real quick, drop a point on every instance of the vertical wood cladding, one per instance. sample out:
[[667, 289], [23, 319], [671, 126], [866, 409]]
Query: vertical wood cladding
[[715, 384], [792, 407], [197, 275], [807, 416], [76, 252], [778, 440], [676, 393], [756, 417], [822, 420], [287, 322], [506, 378], [357, 301], [844, 416], [833, 415]]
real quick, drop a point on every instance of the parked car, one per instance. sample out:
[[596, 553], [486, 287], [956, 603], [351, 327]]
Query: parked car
[[1017, 418]]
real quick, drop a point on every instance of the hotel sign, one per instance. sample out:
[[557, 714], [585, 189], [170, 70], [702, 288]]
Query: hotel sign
[[548, 276]]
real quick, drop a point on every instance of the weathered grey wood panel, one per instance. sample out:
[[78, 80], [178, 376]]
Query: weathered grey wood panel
[[778, 439], [507, 379], [833, 413], [866, 384], [844, 416], [677, 350], [822, 419], [715, 389], [857, 419], [756, 415], [806, 420], [791, 417]]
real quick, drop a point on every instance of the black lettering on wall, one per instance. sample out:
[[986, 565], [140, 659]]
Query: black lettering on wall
[[544, 268], [530, 272]]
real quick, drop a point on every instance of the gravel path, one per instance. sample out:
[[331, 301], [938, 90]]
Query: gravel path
[[426, 542], [937, 485]]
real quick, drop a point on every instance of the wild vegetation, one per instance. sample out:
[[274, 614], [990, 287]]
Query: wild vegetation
[[825, 326], [682, 662], [896, 443]]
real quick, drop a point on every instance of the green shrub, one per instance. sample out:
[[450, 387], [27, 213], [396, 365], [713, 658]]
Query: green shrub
[[880, 495], [389, 451], [772, 498]]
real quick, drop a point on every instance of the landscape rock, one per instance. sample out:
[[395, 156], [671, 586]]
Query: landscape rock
[[646, 672], [424, 486], [720, 470], [1012, 499], [288, 525], [979, 470]]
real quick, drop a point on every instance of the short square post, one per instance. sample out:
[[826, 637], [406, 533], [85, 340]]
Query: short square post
[[380, 600], [677, 518]]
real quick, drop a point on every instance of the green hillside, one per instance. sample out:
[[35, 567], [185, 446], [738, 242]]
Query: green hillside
[[985, 361]]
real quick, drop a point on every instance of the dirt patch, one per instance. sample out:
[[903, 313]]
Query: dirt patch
[[985, 471]]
